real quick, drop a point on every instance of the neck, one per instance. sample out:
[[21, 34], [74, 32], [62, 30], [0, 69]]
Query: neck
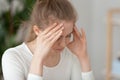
[[51, 60], [31, 46]]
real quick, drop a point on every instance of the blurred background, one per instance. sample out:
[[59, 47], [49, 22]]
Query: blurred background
[[99, 18]]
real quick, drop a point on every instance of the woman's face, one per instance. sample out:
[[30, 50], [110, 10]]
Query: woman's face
[[65, 38]]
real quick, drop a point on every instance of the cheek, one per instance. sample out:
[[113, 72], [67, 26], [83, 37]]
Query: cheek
[[56, 45]]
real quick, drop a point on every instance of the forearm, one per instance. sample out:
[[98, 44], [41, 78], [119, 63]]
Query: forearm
[[36, 66], [85, 64]]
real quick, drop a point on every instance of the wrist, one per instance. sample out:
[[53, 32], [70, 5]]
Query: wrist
[[83, 58], [85, 64], [38, 57], [36, 66]]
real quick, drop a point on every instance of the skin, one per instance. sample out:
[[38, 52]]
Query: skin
[[53, 40]]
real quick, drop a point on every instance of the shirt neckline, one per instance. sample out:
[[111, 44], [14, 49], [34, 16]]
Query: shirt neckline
[[46, 67], [27, 49]]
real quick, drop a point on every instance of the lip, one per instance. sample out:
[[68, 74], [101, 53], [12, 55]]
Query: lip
[[59, 49]]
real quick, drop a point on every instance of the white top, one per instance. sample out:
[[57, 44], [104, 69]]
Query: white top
[[16, 63]]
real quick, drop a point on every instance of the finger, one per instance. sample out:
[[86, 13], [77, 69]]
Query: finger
[[52, 27], [42, 33], [77, 32], [74, 35], [49, 28], [54, 37], [57, 28], [83, 33], [50, 33]]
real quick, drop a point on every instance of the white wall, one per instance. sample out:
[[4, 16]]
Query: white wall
[[100, 9], [92, 16]]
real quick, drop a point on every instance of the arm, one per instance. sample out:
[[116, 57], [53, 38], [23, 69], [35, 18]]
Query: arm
[[43, 43], [79, 47], [36, 69], [87, 74], [77, 72], [11, 66]]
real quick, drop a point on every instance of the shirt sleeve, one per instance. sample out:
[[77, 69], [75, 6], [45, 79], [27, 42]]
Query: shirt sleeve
[[34, 77], [76, 73], [11, 66], [87, 75]]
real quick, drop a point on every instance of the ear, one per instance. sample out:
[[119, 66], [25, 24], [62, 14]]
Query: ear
[[36, 30]]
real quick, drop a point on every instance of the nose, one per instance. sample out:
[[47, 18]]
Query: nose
[[62, 42]]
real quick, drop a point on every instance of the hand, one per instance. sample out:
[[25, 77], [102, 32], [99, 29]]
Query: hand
[[78, 46], [46, 39]]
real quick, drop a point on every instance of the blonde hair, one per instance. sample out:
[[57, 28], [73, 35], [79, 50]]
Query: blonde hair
[[46, 11]]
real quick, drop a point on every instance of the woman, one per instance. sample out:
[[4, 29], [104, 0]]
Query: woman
[[49, 52]]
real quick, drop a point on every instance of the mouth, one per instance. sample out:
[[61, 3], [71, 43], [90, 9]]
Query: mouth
[[59, 49]]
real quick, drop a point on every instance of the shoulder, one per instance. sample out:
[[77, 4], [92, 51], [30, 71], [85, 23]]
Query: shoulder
[[12, 63], [14, 50], [12, 53]]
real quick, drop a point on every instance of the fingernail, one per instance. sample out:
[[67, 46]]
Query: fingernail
[[61, 24], [62, 28]]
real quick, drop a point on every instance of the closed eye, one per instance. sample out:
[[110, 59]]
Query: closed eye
[[69, 35]]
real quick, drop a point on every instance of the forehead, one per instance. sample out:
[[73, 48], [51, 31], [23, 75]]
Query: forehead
[[68, 27]]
